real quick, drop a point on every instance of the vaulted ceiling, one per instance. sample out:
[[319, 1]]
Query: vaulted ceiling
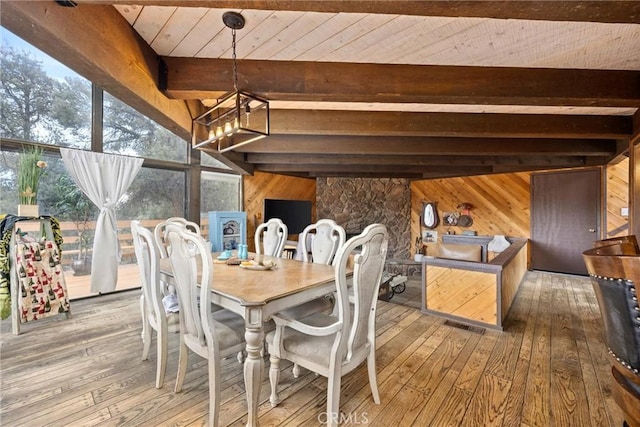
[[416, 89]]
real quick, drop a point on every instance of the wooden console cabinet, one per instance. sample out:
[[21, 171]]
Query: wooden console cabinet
[[475, 293]]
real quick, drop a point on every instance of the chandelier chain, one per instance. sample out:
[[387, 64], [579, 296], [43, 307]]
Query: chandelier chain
[[235, 66]]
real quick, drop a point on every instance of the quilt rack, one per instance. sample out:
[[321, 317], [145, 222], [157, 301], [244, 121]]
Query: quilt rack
[[38, 287]]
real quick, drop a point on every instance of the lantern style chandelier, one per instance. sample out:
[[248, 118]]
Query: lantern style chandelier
[[239, 117]]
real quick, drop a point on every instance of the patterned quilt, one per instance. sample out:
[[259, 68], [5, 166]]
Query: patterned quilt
[[7, 222], [42, 287]]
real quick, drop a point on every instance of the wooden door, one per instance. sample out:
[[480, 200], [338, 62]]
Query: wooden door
[[565, 219]]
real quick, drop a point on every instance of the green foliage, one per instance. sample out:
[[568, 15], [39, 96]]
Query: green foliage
[[25, 94], [71, 106], [31, 166], [126, 131], [72, 205]]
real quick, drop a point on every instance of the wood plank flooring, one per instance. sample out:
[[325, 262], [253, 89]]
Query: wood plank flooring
[[548, 368]]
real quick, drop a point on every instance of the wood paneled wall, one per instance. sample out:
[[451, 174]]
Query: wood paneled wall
[[617, 191], [500, 203], [262, 186]]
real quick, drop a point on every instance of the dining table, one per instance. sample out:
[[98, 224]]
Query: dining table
[[256, 294]]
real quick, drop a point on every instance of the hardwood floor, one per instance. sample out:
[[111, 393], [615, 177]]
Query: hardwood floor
[[411, 296], [549, 368]]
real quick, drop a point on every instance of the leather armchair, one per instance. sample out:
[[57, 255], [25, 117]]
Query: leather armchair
[[616, 282]]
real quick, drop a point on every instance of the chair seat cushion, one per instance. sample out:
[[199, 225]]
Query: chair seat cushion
[[315, 349], [319, 305], [228, 329], [173, 322]]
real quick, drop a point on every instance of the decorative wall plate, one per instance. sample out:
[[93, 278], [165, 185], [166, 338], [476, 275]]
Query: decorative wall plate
[[450, 218], [465, 221]]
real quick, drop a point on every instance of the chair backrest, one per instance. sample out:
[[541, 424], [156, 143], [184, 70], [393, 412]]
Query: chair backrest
[[271, 237], [629, 241], [368, 263], [148, 264], [159, 232], [191, 226], [616, 282], [328, 236], [621, 248], [187, 250]]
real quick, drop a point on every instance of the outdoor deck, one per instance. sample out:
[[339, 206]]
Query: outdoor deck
[[78, 286]]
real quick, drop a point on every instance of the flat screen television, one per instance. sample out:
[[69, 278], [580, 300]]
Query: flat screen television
[[296, 214]]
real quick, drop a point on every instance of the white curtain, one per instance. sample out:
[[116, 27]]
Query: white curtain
[[104, 178]]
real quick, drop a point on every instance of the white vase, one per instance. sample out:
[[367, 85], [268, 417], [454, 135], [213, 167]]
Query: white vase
[[28, 210]]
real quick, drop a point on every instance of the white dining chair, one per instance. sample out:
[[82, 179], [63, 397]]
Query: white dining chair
[[270, 237], [210, 334], [154, 316], [330, 345], [321, 240], [159, 232]]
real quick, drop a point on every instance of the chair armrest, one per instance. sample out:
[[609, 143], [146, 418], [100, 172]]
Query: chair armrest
[[282, 321]]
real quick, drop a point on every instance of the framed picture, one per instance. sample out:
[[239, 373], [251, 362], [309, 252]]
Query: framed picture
[[230, 228], [429, 236]]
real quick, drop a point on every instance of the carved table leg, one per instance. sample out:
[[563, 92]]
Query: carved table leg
[[253, 364]]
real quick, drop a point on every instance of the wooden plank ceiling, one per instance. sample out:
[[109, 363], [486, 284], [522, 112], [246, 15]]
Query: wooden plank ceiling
[[416, 89]]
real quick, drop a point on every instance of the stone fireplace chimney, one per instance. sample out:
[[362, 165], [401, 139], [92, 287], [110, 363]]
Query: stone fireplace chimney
[[355, 203]]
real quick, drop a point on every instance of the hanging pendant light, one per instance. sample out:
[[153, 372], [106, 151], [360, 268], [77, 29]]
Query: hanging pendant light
[[239, 117]]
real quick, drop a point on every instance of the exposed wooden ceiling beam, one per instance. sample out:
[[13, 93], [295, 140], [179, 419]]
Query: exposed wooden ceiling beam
[[368, 169], [589, 11], [636, 125], [97, 43], [355, 82], [422, 160], [415, 176], [427, 174], [334, 145], [411, 170], [233, 160], [393, 123]]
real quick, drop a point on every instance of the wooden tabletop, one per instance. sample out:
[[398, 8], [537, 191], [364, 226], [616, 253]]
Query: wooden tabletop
[[251, 287]]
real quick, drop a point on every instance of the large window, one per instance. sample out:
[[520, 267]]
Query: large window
[[128, 132], [43, 102], [154, 194], [219, 192], [40, 99]]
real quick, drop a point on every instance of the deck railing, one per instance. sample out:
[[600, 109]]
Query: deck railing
[[70, 238]]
